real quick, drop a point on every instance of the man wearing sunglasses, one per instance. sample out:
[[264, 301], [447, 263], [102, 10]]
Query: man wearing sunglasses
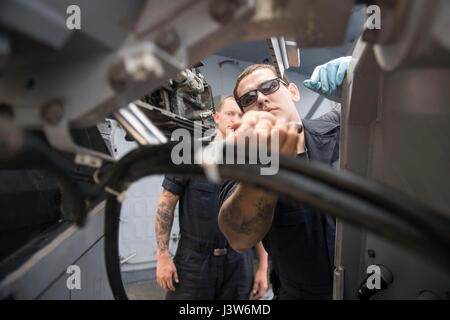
[[204, 266], [299, 240]]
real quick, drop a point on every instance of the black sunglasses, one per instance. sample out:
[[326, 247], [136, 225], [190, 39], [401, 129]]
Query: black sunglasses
[[266, 88]]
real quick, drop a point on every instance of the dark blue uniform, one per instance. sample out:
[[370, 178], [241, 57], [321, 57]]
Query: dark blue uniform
[[300, 241], [207, 267]]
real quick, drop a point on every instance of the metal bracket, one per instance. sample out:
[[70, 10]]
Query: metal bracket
[[139, 126], [60, 138]]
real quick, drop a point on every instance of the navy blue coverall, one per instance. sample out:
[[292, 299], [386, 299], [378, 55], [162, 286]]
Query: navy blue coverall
[[208, 269]]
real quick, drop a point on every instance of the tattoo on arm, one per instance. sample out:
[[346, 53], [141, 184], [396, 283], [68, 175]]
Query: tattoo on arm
[[164, 220], [233, 216]]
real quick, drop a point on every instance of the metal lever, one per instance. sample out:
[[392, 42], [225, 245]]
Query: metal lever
[[125, 260], [139, 126]]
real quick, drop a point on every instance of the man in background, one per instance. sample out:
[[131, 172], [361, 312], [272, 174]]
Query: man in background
[[204, 267]]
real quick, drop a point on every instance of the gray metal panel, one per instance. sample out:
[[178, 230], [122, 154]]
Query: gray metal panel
[[395, 131], [58, 290], [354, 156], [412, 274], [348, 259], [38, 19], [46, 265], [410, 151], [94, 282]]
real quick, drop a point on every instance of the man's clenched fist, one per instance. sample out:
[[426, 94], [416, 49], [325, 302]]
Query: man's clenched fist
[[263, 128]]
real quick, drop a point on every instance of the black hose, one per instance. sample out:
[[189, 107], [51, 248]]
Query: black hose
[[138, 163], [112, 258], [346, 197], [423, 216], [354, 210], [344, 205]]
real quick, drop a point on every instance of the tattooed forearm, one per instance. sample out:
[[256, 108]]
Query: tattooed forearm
[[253, 217], [164, 220]]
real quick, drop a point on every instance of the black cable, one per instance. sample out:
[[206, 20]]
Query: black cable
[[153, 154], [346, 197], [423, 216], [343, 205], [155, 160], [112, 258], [334, 201]]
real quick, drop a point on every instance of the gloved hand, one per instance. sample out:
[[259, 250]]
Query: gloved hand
[[327, 78]]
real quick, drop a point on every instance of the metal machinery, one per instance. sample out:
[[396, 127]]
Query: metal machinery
[[56, 84]]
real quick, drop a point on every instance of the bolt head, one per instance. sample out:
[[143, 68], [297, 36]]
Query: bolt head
[[52, 112]]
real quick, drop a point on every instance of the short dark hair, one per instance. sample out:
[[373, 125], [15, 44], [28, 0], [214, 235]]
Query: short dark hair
[[252, 68], [219, 108]]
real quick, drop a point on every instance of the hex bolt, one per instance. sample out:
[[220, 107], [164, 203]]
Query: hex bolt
[[224, 11], [168, 40], [52, 112]]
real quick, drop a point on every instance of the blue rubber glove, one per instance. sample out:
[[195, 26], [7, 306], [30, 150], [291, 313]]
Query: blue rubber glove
[[327, 78]]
